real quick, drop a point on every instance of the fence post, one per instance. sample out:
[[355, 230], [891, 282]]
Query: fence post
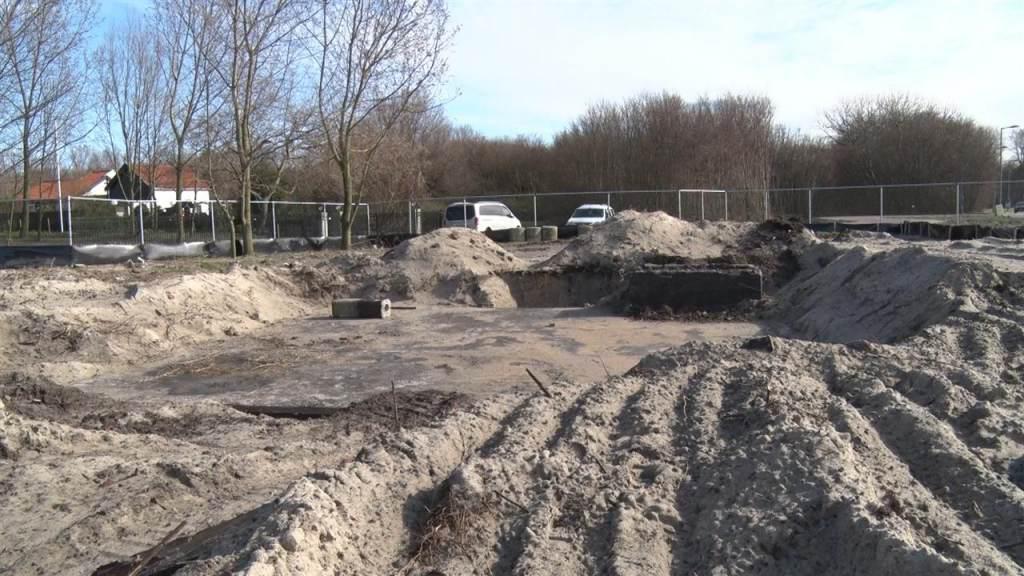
[[408, 214], [534, 210], [957, 203], [679, 204], [367, 220], [142, 226], [608, 199], [767, 212], [881, 206], [213, 220], [702, 205], [71, 238], [810, 206], [465, 214], [273, 219]]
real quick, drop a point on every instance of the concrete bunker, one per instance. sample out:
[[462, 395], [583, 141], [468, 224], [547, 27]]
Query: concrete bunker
[[673, 286]]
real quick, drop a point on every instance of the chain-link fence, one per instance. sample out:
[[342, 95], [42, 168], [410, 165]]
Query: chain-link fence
[[967, 202], [83, 221], [46, 222]]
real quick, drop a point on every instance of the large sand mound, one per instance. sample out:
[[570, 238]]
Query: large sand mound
[[92, 324], [453, 251], [791, 457], [447, 265], [631, 237], [884, 296]]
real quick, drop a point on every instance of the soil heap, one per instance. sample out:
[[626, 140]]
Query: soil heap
[[631, 238], [94, 324]]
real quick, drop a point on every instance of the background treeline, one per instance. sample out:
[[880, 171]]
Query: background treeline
[[337, 100]]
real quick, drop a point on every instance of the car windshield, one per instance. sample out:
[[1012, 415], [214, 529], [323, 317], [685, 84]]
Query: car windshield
[[588, 213], [457, 212]]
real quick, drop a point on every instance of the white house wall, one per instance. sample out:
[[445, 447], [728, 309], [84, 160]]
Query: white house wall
[[165, 199]]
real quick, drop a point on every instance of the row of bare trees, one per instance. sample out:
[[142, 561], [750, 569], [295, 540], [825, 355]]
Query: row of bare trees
[[43, 90], [239, 88], [661, 141]]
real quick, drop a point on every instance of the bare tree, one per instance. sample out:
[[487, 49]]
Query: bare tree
[[131, 99], [42, 43], [252, 57], [186, 30], [375, 58], [901, 139]]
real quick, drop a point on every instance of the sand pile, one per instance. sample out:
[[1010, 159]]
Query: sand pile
[[885, 296], [630, 237], [449, 265], [775, 456], [448, 252], [455, 265], [91, 324]]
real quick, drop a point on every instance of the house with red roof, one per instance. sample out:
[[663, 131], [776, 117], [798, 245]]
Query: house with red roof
[[92, 184], [157, 183]]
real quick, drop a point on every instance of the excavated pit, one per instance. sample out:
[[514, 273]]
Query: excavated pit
[[677, 287], [562, 288]]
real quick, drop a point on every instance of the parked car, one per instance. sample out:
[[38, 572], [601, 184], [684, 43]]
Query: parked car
[[590, 214], [482, 216], [1018, 207]]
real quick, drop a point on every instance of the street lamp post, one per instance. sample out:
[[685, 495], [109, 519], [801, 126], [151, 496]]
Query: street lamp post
[[1001, 147]]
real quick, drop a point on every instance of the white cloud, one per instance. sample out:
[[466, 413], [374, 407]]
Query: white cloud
[[532, 66]]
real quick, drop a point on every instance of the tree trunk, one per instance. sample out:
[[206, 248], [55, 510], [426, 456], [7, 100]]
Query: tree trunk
[[26, 167], [348, 217], [178, 169], [247, 239]]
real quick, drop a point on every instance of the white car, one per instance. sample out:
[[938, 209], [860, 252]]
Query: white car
[[482, 216], [590, 214]]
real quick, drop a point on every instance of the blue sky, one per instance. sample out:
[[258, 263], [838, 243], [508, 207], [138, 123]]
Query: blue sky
[[531, 66]]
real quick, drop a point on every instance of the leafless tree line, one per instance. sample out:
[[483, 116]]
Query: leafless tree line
[[662, 142]]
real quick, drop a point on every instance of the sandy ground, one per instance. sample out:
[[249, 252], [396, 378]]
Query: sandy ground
[[321, 361], [895, 455], [877, 431]]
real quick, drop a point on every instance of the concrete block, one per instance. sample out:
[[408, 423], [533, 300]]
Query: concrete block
[[355, 308], [548, 233], [532, 233]]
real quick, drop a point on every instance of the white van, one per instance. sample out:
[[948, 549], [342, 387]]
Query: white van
[[482, 216], [590, 214]]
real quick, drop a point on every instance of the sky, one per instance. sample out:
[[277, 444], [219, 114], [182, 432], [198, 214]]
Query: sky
[[532, 66], [529, 67]]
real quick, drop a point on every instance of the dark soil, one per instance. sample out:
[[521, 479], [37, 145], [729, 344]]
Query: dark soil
[[39, 398]]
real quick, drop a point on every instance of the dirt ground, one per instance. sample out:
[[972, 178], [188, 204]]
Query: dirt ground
[[876, 430], [473, 351]]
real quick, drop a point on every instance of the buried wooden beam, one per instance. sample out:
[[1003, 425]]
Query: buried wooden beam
[[356, 308]]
